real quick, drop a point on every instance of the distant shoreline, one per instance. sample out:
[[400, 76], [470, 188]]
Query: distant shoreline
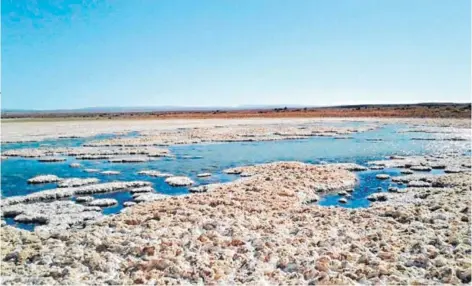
[[426, 110]]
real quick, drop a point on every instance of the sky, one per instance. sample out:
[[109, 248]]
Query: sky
[[75, 54]]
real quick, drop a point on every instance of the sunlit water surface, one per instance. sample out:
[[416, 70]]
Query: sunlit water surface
[[214, 158]]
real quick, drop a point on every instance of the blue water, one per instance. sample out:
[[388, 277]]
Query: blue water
[[62, 142], [214, 158]]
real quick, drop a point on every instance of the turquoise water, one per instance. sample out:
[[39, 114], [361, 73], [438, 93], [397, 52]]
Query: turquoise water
[[214, 158]]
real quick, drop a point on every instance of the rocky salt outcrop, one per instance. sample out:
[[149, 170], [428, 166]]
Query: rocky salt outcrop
[[191, 157], [419, 184], [110, 172], [248, 171], [54, 216], [146, 189], [44, 179], [198, 189], [76, 182], [128, 160], [204, 188], [350, 167], [154, 173], [422, 163], [226, 134], [415, 177], [377, 197], [61, 193], [233, 171], [179, 181], [452, 170], [84, 199], [393, 189], [438, 166], [75, 165], [93, 157], [102, 203], [25, 153], [203, 175], [376, 167], [382, 176], [421, 168], [244, 175], [128, 204], [309, 198], [51, 159], [150, 197], [86, 153]]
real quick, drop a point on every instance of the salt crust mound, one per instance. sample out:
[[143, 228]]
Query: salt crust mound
[[43, 179], [60, 193], [260, 230]]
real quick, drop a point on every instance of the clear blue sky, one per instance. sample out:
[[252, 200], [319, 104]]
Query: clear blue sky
[[68, 54]]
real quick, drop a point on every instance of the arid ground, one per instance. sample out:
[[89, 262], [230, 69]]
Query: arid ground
[[438, 110]]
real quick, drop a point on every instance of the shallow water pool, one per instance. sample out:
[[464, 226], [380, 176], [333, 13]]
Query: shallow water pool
[[191, 160]]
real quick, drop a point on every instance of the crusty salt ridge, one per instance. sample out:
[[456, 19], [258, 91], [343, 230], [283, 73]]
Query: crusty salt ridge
[[84, 199], [102, 202], [110, 172], [246, 133], [76, 182], [129, 204], [203, 175], [43, 179], [424, 163], [382, 176], [58, 215], [146, 189], [51, 159], [126, 154], [60, 193], [257, 230], [204, 188], [247, 170], [154, 173], [149, 197], [128, 160], [350, 167], [179, 181]]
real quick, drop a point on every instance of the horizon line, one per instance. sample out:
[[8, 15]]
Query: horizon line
[[215, 107]]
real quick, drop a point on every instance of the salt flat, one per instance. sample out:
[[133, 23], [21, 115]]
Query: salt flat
[[39, 130]]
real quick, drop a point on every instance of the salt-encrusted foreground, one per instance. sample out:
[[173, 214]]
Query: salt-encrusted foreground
[[260, 230]]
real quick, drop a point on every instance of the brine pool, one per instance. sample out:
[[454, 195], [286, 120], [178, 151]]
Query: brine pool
[[191, 160]]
